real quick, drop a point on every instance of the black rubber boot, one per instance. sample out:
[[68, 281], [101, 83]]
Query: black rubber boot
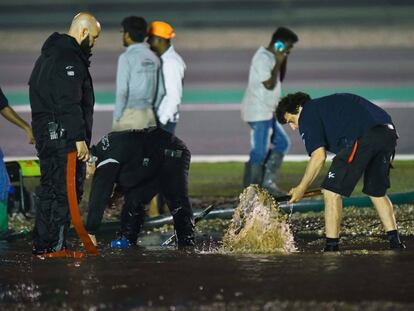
[[61, 242], [184, 227], [246, 176], [253, 174], [395, 242], [37, 251], [272, 166], [132, 219], [256, 174], [332, 245], [398, 246], [331, 248]]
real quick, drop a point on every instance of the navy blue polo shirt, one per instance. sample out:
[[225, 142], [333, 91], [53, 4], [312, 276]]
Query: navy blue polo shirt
[[337, 120], [3, 100]]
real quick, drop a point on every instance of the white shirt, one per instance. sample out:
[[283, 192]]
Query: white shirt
[[260, 103], [173, 68]]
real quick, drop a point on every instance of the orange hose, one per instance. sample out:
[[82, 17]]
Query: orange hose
[[74, 208], [63, 254]]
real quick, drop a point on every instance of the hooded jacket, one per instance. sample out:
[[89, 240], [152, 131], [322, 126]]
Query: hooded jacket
[[61, 90]]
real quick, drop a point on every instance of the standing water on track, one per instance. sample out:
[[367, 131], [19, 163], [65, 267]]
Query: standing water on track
[[258, 226]]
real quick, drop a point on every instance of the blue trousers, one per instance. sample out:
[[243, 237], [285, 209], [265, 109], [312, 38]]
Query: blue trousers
[[265, 135]]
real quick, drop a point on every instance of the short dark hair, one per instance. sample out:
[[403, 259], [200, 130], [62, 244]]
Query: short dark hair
[[136, 27], [284, 34], [290, 104]]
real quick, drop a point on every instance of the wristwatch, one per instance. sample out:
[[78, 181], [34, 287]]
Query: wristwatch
[[91, 160]]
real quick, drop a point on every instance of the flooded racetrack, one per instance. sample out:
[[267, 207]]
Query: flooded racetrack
[[363, 276]]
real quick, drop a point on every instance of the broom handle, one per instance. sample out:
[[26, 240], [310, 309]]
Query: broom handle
[[204, 213], [196, 220], [307, 194]]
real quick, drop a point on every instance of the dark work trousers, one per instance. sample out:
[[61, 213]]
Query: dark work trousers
[[172, 182], [52, 214], [170, 128]]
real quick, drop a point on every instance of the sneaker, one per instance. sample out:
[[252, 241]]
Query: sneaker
[[120, 243], [131, 238], [42, 251]]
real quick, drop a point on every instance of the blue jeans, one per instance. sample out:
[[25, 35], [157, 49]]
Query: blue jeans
[[263, 134]]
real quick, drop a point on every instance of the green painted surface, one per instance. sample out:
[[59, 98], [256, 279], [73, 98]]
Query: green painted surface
[[3, 216], [30, 168], [234, 96]]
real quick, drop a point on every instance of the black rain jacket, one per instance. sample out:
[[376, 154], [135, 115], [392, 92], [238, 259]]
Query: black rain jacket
[[61, 90]]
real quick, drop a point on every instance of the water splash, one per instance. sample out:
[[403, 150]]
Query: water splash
[[258, 225]]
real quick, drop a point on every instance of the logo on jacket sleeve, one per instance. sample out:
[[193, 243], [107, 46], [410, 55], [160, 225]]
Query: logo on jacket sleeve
[[105, 142], [331, 175], [69, 71]]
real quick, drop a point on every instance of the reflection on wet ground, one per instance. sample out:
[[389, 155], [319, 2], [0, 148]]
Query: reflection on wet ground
[[363, 276]]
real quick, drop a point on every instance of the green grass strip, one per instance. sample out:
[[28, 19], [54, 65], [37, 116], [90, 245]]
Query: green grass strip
[[225, 179], [225, 96]]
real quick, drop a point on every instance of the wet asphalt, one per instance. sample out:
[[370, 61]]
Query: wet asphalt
[[363, 276]]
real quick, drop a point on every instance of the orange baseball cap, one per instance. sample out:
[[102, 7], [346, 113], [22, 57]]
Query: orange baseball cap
[[162, 30]]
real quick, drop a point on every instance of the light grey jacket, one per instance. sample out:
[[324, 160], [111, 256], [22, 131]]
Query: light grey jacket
[[137, 79]]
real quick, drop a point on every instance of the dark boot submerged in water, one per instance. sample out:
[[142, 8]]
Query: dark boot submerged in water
[[271, 173], [332, 245], [42, 246], [331, 248], [253, 174], [394, 239], [184, 226]]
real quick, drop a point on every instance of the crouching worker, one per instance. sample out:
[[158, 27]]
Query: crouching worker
[[142, 163], [363, 137]]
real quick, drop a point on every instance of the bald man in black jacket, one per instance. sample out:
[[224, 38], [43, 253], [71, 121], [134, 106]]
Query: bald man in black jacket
[[61, 100], [142, 163]]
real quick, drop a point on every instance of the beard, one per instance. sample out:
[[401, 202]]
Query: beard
[[86, 47]]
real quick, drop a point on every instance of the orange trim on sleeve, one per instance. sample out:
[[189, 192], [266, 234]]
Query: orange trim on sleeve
[[352, 155]]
